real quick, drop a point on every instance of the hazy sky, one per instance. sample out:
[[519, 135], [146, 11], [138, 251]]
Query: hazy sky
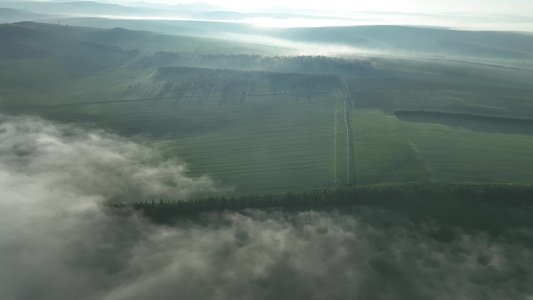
[[520, 7], [511, 15]]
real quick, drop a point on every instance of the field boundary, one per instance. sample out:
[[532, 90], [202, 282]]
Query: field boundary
[[350, 152], [465, 116]]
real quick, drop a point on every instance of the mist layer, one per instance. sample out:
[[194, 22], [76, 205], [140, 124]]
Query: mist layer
[[58, 242]]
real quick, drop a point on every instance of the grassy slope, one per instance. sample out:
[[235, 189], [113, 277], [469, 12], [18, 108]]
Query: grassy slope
[[446, 86], [268, 144], [382, 152], [398, 151], [455, 154], [391, 150], [274, 144], [52, 73]]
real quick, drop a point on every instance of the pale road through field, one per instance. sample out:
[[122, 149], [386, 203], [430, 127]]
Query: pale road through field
[[348, 105]]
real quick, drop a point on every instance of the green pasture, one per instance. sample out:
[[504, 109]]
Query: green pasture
[[265, 145], [383, 153], [455, 154], [26, 80], [48, 64], [273, 143], [269, 159], [32, 84], [437, 150], [391, 150], [268, 144], [409, 84]]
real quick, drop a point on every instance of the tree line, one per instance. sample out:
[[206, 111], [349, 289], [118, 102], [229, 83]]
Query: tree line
[[179, 82], [307, 64], [465, 116], [425, 195]]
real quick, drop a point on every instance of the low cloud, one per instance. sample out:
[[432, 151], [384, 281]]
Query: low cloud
[[56, 242], [90, 163]]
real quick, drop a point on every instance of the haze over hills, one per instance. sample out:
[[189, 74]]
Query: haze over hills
[[91, 8], [282, 16], [197, 151], [141, 48], [209, 21]]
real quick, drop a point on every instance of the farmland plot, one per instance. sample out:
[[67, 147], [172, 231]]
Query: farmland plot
[[383, 153], [391, 150], [254, 138], [442, 149], [265, 146], [456, 154]]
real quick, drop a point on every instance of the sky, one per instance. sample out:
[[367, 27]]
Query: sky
[[513, 7], [511, 15]]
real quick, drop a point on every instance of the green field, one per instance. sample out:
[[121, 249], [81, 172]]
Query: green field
[[445, 86], [383, 153], [278, 130], [391, 150], [454, 154], [263, 142], [442, 148], [268, 144]]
